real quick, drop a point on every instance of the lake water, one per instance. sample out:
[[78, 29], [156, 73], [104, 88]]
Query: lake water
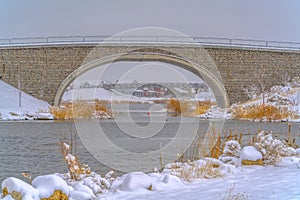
[[33, 146]]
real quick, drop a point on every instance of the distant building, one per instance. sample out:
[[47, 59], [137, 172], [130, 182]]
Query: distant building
[[156, 90]]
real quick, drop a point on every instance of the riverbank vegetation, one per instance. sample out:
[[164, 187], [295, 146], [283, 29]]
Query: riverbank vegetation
[[279, 103], [263, 112], [188, 107], [225, 156], [81, 109]]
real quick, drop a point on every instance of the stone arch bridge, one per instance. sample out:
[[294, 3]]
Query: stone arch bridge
[[45, 69]]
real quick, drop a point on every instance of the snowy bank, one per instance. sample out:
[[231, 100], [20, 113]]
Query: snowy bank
[[281, 103], [31, 108]]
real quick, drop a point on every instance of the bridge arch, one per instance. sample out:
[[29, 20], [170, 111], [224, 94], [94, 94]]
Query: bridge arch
[[211, 79]]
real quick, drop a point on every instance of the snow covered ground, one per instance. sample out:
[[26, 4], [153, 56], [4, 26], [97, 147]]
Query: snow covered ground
[[247, 182], [253, 182], [31, 108], [208, 178]]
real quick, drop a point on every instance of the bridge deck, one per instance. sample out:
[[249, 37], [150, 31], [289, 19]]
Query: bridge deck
[[166, 40]]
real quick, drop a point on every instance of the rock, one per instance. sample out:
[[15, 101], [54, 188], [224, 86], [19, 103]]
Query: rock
[[51, 187], [57, 195], [250, 156], [171, 180], [136, 181], [250, 153], [19, 189], [251, 162]]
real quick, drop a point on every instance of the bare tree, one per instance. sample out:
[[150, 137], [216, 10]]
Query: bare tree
[[285, 78], [261, 79], [252, 91]]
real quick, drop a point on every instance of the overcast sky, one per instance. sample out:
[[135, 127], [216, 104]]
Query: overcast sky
[[142, 72], [253, 19]]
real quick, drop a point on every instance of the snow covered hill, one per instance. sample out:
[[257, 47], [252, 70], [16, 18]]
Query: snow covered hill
[[98, 93], [30, 107]]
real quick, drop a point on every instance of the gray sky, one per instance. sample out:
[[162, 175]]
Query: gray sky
[[142, 72], [253, 19]]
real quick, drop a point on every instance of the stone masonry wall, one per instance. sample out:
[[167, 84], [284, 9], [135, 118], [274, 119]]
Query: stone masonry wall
[[241, 67], [41, 70]]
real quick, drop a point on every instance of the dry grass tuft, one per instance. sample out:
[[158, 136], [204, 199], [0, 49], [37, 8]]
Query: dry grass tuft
[[217, 143], [231, 195], [214, 147], [174, 106], [177, 107], [263, 111], [79, 109], [189, 171], [203, 107], [69, 154], [188, 108]]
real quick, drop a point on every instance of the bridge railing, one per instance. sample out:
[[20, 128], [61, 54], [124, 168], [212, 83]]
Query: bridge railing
[[205, 41]]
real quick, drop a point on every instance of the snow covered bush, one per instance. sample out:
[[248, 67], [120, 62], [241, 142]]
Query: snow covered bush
[[272, 149], [97, 183], [92, 182], [73, 163], [231, 153], [81, 176], [216, 112]]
